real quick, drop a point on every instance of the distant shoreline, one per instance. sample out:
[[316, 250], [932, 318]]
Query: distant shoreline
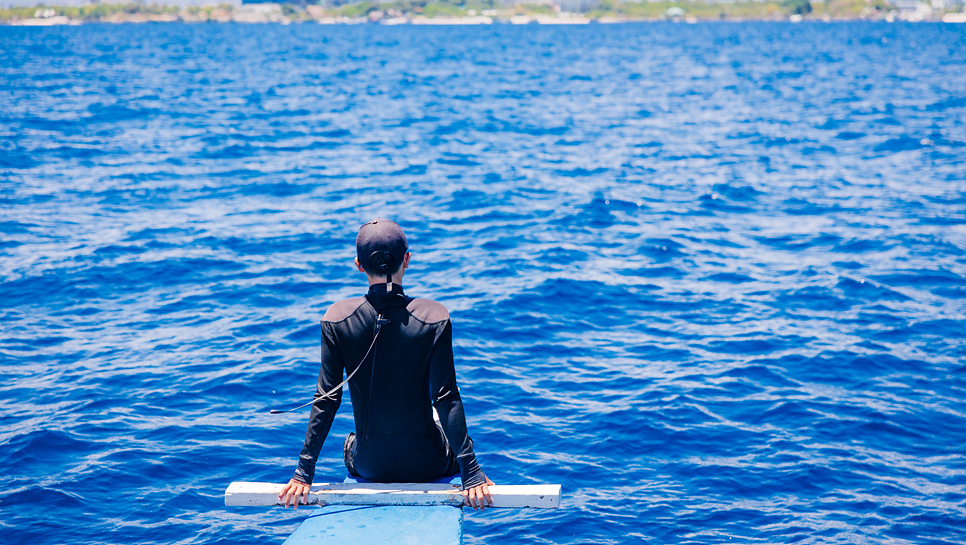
[[448, 14]]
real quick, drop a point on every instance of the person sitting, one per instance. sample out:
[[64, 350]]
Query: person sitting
[[398, 354]]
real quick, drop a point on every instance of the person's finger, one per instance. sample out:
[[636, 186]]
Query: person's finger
[[305, 496], [487, 495], [282, 493]]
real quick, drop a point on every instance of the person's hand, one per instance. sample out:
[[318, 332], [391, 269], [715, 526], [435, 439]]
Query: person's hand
[[475, 496], [291, 493]]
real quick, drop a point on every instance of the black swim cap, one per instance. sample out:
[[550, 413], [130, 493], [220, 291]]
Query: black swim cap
[[381, 246]]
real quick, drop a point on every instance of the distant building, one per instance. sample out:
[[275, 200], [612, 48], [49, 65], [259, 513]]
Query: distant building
[[913, 10], [571, 6], [302, 3]]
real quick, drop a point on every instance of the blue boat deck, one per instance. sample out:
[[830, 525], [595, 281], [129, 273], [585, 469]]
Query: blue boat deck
[[390, 525], [382, 524]]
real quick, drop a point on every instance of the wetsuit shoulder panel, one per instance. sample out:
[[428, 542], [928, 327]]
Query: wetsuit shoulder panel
[[343, 309], [427, 311]]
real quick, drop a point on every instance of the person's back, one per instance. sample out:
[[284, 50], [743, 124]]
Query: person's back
[[397, 438], [397, 351]]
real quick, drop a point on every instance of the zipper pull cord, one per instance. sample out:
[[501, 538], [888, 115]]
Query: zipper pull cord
[[380, 321]]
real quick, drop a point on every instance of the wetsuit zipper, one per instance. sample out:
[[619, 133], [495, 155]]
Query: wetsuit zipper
[[372, 377]]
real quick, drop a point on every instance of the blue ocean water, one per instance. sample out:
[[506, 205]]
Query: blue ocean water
[[710, 278]]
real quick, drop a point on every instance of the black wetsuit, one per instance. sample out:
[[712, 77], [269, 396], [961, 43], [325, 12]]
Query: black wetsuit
[[409, 372]]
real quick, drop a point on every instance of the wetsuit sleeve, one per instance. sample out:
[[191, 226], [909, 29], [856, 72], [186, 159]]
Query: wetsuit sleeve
[[449, 407], [323, 411]]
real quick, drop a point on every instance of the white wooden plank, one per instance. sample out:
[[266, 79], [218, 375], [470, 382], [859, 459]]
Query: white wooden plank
[[540, 496]]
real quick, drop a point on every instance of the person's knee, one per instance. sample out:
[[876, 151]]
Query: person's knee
[[348, 454]]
